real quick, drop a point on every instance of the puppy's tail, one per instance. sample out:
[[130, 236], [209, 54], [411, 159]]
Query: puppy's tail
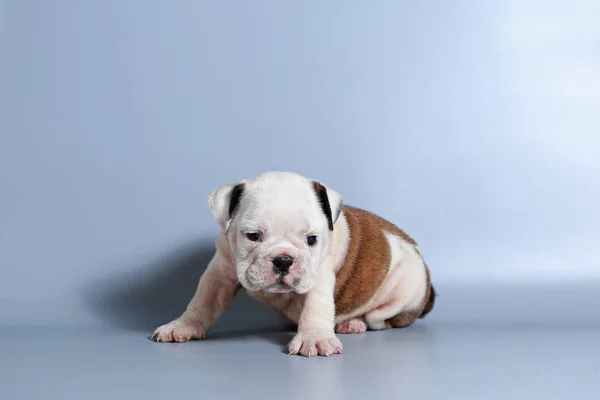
[[429, 303], [431, 294]]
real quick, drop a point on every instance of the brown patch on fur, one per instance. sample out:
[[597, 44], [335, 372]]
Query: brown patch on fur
[[368, 259], [403, 319]]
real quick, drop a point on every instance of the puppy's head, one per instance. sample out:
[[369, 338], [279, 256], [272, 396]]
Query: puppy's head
[[279, 229]]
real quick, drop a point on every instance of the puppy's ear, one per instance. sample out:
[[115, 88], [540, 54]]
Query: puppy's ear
[[330, 201], [224, 202]]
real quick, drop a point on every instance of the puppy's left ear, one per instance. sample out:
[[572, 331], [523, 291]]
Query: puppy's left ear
[[331, 202], [224, 202]]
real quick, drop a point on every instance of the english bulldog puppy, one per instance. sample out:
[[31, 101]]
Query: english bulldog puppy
[[291, 243]]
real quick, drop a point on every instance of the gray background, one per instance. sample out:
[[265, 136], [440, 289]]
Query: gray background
[[475, 126]]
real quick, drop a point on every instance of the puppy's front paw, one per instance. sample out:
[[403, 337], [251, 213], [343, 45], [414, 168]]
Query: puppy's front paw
[[180, 330], [312, 344]]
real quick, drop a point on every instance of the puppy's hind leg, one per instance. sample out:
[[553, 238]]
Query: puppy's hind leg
[[398, 314], [377, 318], [409, 315]]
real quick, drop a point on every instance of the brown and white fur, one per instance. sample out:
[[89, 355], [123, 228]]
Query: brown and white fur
[[362, 273]]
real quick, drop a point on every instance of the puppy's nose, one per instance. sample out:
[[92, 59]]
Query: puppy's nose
[[282, 264]]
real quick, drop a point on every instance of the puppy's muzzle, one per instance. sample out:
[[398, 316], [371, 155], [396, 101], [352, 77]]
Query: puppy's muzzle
[[282, 264]]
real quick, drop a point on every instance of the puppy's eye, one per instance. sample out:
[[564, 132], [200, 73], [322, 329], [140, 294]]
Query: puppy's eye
[[254, 237], [311, 240]]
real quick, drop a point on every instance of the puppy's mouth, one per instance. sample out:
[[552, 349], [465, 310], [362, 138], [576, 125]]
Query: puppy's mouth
[[278, 286], [289, 280], [284, 283]]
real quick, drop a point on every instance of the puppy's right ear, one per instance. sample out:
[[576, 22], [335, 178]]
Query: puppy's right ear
[[224, 202], [331, 202]]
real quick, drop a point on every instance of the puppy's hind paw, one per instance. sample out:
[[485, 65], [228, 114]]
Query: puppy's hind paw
[[352, 326], [180, 330]]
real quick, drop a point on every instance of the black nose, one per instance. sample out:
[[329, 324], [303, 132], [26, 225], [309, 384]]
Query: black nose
[[282, 264]]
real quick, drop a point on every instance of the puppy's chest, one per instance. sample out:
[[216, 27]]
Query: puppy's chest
[[289, 304]]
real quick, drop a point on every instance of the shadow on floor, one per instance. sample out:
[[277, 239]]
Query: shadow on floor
[[143, 298], [280, 337]]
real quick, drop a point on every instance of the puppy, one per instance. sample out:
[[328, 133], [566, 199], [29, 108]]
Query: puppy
[[291, 243]]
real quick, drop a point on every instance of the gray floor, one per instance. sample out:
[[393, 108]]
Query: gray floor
[[481, 343]]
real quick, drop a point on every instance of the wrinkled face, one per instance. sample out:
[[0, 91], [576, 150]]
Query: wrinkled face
[[278, 226], [279, 238]]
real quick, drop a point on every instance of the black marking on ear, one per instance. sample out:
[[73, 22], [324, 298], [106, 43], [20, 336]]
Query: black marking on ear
[[321, 193], [236, 195]]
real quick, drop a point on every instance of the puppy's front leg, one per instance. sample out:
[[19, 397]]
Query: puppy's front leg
[[316, 325], [216, 289]]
